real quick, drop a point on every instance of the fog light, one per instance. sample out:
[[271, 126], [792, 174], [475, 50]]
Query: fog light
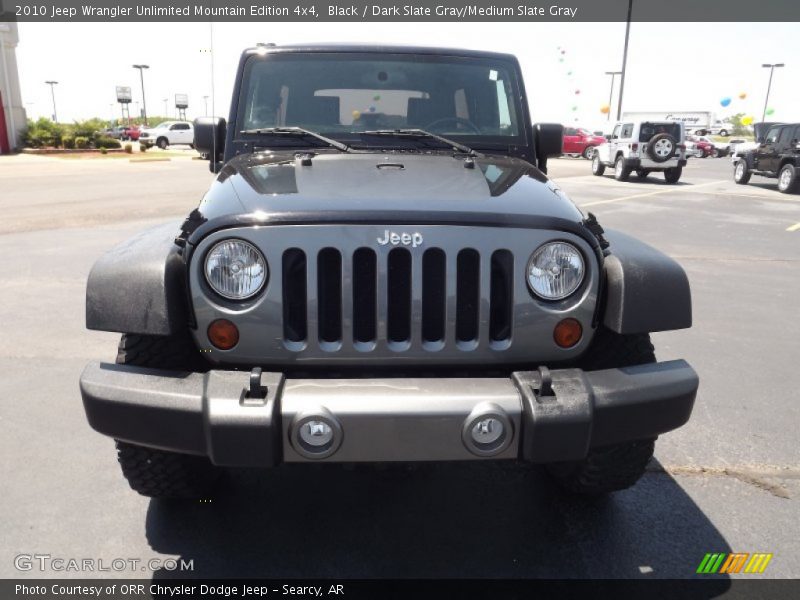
[[567, 333], [315, 433], [488, 430], [223, 334]]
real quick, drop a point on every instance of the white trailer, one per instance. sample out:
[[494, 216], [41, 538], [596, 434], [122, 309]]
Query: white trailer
[[700, 122]]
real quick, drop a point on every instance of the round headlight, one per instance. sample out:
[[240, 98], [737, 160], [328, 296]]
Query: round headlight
[[236, 269], [555, 270]]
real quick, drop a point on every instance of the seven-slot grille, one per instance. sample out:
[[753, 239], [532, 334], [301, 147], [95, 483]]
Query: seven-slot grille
[[406, 298]]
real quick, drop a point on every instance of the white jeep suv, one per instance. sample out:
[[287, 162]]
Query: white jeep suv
[[643, 147], [168, 133]]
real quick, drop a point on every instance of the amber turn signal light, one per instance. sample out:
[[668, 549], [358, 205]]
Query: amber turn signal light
[[567, 333], [223, 334]]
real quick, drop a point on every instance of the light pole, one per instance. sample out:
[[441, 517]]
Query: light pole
[[166, 110], [624, 59], [144, 102], [611, 93], [205, 100], [771, 68], [53, 94]]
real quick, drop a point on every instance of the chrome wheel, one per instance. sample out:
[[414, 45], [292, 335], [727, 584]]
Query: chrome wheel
[[785, 179], [739, 170]]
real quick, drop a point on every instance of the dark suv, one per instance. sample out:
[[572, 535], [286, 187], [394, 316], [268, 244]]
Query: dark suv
[[382, 272], [778, 156]]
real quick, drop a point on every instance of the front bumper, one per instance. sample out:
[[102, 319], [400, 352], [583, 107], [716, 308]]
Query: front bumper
[[547, 416]]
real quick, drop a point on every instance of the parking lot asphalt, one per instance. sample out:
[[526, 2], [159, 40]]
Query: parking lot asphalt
[[727, 481]]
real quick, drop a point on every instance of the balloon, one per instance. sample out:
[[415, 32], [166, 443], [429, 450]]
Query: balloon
[[372, 108], [563, 52], [376, 98], [569, 73], [770, 111], [742, 95], [560, 60], [748, 120], [605, 108], [574, 108], [356, 115], [577, 92], [725, 101]]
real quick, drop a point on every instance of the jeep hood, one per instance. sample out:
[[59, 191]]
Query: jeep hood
[[387, 188]]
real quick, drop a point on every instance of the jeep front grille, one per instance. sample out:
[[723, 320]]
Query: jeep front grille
[[336, 295], [401, 293]]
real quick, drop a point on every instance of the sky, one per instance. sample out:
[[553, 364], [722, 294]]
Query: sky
[[671, 66]]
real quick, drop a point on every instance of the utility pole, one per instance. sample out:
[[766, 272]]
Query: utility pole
[[53, 94], [611, 93], [624, 59], [771, 68], [144, 102]]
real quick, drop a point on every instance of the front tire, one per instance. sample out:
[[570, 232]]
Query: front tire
[[588, 152], [723, 132], [617, 467], [162, 143], [741, 174], [158, 473], [621, 172], [598, 168], [787, 179]]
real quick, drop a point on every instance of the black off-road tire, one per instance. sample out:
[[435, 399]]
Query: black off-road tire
[[158, 473], [598, 168], [616, 467], [621, 172], [741, 174], [673, 175], [605, 470]]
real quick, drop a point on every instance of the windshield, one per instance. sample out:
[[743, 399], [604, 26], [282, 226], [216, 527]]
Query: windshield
[[341, 94]]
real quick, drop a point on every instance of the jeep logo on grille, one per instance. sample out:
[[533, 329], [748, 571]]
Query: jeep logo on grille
[[402, 238]]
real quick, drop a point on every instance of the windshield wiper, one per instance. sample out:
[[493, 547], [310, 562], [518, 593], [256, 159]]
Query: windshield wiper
[[421, 133], [297, 132]]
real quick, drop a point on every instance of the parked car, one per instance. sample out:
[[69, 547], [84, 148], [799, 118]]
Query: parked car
[[347, 293], [581, 141], [700, 145], [643, 147], [778, 156], [132, 132], [116, 133], [168, 133]]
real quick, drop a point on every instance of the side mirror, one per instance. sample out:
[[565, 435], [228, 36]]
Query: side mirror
[[549, 140], [209, 140], [608, 137]]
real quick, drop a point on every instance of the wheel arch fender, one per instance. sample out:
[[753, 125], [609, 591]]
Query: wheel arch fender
[[645, 290], [139, 286]]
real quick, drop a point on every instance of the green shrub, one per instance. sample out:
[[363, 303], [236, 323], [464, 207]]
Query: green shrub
[[68, 142], [106, 142], [103, 151], [89, 128], [128, 149], [81, 142], [142, 148], [42, 133]]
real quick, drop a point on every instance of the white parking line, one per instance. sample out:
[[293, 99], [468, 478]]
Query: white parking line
[[795, 227], [688, 188]]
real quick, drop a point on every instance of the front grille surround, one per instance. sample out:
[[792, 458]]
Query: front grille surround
[[460, 298]]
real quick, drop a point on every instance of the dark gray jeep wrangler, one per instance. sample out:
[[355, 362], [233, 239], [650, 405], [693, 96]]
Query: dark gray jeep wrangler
[[382, 272]]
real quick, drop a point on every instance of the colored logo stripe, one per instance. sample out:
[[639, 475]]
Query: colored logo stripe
[[721, 562]]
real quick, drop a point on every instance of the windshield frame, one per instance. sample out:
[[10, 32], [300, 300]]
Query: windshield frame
[[478, 142]]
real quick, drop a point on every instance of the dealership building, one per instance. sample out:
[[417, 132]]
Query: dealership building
[[12, 113]]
